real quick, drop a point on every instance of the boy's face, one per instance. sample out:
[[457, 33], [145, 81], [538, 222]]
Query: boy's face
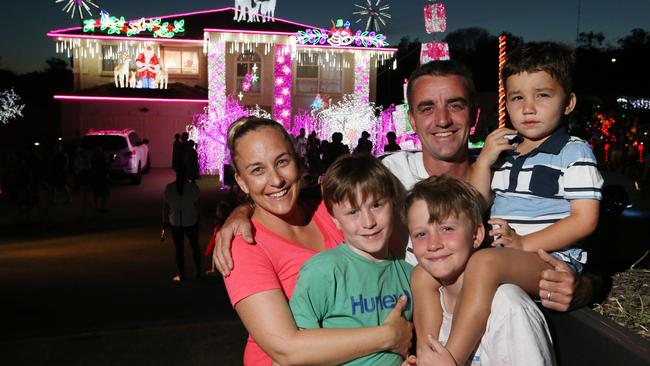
[[442, 248], [366, 229], [536, 103]]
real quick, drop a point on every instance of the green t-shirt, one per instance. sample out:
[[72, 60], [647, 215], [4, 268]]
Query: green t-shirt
[[338, 288]]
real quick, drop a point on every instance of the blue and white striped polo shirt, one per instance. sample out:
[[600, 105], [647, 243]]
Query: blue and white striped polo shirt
[[533, 191]]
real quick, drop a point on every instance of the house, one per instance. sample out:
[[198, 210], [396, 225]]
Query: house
[[202, 57]]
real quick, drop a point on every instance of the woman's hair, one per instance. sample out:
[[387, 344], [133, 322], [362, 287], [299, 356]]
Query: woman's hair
[[353, 174], [244, 125], [445, 197]]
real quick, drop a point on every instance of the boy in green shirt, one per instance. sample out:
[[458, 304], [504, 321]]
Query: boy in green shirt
[[356, 284]]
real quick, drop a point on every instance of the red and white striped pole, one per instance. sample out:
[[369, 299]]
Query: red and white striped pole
[[502, 90]]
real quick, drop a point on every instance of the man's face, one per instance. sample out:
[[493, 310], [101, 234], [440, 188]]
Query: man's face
[[440, 114]]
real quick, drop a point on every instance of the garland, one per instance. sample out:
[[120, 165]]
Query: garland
[[341, 38], [113, 25]]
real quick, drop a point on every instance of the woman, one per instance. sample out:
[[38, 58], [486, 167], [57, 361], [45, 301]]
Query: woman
[[180, 212], [288, 231]]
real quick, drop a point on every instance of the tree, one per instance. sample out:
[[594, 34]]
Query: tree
[[638, 40], [466, 40], [56, 64], [591, 40]]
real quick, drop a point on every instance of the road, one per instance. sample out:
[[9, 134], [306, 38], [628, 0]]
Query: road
[[97, 290]]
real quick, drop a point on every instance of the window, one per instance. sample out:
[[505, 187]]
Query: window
[[181, 61], [245, 63], [315, 75], [110, 58]]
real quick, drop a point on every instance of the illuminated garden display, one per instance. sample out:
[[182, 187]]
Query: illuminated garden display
[[319, 79]]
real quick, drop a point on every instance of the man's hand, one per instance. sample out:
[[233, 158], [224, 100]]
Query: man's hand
[[401, 328], [238, 223], [504, 235], [564, 286]]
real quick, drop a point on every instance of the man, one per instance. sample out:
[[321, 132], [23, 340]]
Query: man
[[441, 105]]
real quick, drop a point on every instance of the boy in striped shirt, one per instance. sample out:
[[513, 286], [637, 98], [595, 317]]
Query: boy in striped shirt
[[544, 185]]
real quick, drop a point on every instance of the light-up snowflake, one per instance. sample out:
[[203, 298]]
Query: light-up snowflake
[[373, 14], [72, 5], [10, 107]]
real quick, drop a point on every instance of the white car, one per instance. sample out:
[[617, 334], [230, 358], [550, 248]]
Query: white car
[[127, 153]]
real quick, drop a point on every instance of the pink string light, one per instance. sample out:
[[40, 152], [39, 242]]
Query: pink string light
[[282, 86]]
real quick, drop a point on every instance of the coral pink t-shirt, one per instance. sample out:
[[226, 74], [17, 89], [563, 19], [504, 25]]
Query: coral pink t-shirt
[[272, 263]]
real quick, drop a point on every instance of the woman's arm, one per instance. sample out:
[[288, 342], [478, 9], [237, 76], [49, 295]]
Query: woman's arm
[[267, 318], [237, 223]]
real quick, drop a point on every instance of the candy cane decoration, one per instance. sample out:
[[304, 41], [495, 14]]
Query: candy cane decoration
[[502, 90]]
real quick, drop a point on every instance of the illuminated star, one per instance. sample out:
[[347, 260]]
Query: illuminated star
[[240, 96], [254, 68], [254, 79], [72, 5]]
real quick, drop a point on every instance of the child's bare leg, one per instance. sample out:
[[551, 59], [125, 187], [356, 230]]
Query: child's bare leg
[[485, 271]]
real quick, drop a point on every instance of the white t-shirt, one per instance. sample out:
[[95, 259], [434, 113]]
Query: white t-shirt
[[182, 209], [516, 332], [408, 167]]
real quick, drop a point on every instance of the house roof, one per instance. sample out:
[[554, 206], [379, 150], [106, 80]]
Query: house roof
[[195, 24], [175, 92]]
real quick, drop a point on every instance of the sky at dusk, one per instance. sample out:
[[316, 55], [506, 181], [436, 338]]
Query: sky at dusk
[[25, 47]]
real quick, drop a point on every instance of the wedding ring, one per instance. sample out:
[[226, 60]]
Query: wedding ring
[[548, 297]]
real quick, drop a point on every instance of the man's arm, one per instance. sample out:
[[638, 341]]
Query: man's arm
[[238, 223]]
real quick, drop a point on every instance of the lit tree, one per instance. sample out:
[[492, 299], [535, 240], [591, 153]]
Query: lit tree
[[10, 106]]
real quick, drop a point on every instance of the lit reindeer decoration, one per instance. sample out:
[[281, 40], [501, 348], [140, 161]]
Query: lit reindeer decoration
[[121, 71], [162, 77]]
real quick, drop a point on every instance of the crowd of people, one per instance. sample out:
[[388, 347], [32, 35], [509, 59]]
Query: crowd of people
[[315, 156], [320, 280], [37, 178]]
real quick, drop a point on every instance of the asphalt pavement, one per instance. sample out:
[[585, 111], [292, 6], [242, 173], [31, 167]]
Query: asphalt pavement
[[80, 287]]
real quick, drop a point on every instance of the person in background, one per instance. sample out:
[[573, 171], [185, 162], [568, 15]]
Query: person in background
[[191, 160], [180, 213], [176, 150], [364, 145], [392, 144]]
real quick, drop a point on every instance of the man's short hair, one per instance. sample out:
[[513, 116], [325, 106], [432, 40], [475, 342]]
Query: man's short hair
[[557, 59], [446, 197], [443, 68], [359, 173]]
